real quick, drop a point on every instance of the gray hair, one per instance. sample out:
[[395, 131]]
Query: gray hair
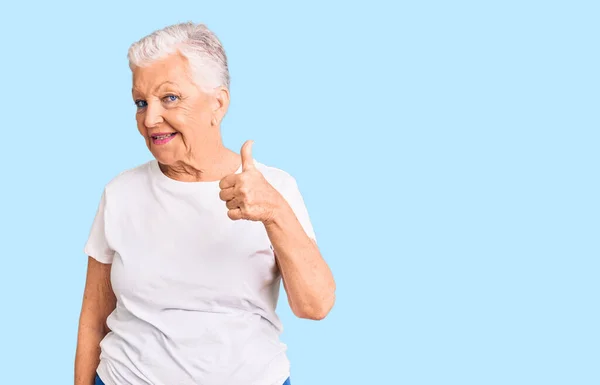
[[199, 45]]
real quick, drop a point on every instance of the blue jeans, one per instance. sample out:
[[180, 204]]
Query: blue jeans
[[98, 381]]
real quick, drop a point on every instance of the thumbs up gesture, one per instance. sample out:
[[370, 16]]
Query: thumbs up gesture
[[248, 195]]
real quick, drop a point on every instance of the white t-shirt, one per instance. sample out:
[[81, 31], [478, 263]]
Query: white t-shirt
[[196, 291]]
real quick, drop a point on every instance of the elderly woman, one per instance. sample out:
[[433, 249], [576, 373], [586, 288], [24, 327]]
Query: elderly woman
[[187, 251]]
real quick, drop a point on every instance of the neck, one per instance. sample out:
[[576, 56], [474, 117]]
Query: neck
[[211, 161]]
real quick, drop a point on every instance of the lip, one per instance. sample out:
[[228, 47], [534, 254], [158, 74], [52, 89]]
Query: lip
[[166, 140]]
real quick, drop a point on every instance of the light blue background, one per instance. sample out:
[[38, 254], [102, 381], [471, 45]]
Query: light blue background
[[447, 153]]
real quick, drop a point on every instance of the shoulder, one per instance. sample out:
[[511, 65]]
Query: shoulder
[[129, 179], [276, 176]]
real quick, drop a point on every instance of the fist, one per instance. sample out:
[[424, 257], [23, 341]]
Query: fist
[[248, 195]]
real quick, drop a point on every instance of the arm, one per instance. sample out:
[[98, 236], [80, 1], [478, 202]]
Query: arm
[[98, 302], [307, 279]]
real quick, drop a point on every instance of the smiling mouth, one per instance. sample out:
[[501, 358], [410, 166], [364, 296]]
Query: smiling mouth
[[162, 138]]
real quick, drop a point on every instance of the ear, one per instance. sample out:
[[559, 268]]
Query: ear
[[221, 103]]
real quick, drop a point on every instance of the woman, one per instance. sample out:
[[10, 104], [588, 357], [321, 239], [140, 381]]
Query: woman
[[187, 251]]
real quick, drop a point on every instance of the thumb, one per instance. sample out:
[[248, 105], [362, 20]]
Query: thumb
[[247, 161]]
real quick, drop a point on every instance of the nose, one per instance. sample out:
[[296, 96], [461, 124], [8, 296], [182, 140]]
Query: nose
[[153, 115]]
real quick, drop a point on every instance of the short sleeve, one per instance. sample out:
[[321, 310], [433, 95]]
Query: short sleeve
[[97, 246], [292, 195]]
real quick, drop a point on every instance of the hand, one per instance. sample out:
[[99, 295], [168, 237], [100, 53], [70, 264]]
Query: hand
[[248, 195]]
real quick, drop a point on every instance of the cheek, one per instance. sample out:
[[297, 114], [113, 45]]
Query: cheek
[[139, 119], [177, 119], [142, 128], [184, 121]]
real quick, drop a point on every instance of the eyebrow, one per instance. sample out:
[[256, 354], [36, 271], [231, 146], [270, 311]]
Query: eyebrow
[[157, 87]]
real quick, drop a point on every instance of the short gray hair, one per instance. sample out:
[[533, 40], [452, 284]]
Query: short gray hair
[[195, 42]]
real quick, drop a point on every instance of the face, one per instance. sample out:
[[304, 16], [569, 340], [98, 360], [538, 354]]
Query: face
[[174, 115]]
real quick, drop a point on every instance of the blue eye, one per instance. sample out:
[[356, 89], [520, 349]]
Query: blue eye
[[140, 103], [171, 98]]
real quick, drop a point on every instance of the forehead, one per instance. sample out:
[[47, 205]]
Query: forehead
[[173, 68]]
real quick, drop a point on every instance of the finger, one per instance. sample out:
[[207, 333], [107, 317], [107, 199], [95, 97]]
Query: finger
[[233, 204], [227, 194], [235, 214], [246, 152], [228, 181]]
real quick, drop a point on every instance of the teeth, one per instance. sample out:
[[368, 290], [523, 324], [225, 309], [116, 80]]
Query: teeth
[[162, 136]]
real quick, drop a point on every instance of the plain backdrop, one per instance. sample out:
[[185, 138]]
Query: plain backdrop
[[447, 153]]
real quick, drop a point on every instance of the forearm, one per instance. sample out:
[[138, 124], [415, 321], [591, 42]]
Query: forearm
[[87, 356], [308, 280]]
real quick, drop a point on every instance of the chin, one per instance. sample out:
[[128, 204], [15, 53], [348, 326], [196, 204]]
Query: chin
[[164, 158]]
